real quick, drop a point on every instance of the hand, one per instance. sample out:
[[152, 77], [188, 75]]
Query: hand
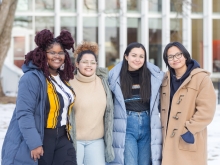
[[36, 153], [188, 137]]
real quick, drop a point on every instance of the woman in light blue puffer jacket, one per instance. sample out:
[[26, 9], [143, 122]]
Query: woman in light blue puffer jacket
[[137, 136]]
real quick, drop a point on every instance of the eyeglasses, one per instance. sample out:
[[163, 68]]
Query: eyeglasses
[[54, 53], [177, 55], [88, 62]]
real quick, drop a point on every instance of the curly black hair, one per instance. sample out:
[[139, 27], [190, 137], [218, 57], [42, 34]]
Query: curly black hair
[[45, 40]]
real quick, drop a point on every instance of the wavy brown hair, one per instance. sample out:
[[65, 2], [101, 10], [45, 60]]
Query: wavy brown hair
[[86, 47], [45, 40]]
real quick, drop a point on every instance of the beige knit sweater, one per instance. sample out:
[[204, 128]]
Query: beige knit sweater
[[89, 106]]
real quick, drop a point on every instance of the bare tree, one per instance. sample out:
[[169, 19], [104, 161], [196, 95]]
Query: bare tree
[[7, 12]]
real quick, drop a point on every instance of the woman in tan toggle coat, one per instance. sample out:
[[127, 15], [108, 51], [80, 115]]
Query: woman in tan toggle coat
[[188, 103]]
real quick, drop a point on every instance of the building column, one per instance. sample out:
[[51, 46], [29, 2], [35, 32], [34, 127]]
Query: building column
[[207, 35], [57, 27], [101, 33], [145, 26], [187, 26], [79, 28], [123, 28], [165, 27]]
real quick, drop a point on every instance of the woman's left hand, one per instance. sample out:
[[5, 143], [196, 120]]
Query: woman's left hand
[[36, 153]]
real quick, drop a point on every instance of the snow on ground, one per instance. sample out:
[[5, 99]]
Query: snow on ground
[[5, 117], [6, 111], [214, 139]]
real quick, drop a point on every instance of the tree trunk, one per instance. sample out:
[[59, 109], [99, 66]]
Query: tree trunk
[[7, 12]]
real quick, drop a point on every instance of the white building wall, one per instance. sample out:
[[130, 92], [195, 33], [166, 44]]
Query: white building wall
[[143, 30], [10, 77]]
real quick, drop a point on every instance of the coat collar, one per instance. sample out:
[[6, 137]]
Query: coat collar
[[188, 79], [102, 72], [115, 73], [156, 80]]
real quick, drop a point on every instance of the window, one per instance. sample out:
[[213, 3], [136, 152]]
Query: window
[[197, 41], [112, 41]]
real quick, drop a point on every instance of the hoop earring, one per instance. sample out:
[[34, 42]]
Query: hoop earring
[[62, 66]]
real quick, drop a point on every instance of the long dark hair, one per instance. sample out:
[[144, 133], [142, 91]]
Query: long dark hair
[[45, 40], [181, 48], [144, 75]]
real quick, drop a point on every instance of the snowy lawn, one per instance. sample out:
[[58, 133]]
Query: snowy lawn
[[213, 132]]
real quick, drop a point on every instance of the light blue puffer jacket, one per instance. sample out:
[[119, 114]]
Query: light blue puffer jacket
[[120, 117]]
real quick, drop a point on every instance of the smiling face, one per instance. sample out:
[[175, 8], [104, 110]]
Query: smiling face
[[55, 58], [135, 58], [87, 65], [176, 63]]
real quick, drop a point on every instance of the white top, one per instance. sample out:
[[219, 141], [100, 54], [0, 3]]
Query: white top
[[67, 95]]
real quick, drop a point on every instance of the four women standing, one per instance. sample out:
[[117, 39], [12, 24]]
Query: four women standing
[[45, 121]]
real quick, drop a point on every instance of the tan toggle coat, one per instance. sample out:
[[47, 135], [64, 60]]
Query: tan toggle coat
[[193, 107]]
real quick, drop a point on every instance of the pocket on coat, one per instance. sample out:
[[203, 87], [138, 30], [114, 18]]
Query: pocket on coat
[[187, 146], [23, 154]]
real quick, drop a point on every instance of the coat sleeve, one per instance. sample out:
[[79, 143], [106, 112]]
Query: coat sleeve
[[205, 107], [27, 100], [109, 152]]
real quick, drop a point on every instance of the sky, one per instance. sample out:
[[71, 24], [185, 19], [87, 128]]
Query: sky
[[6, 111]]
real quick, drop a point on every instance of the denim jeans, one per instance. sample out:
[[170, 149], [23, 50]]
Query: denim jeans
[[138, 139], [91, 152]]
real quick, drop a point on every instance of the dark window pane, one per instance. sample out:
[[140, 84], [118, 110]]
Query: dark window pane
[[155, 39], [197, 40], [111, 42]]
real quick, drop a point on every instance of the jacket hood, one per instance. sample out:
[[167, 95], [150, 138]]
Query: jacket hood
[[190, 67], [199, 70], [102, 72], [114, 73], [194, 72], [27, 67]]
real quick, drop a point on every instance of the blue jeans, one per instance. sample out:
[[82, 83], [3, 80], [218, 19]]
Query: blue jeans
[[91, 152], [138, 139]]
